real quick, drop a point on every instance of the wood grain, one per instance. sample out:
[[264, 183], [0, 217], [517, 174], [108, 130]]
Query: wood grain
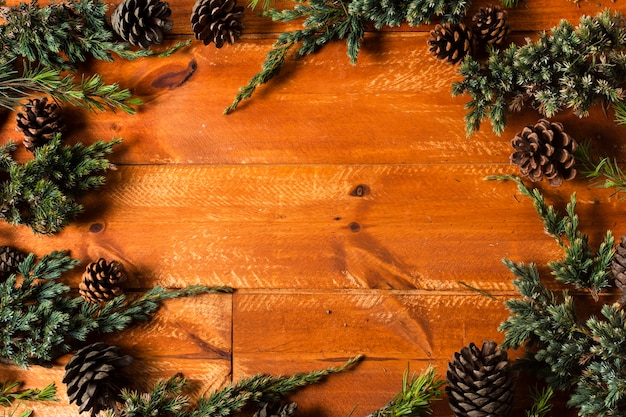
[[345, 204]]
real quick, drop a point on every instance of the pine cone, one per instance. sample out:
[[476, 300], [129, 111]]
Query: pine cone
[[39, 122], [10, 258], [93, 376], [142, 22], [618, 268], [544, 150], [277, 410], [480, 382], [101, 281], [451, 42], [217, 21], [491, 25]]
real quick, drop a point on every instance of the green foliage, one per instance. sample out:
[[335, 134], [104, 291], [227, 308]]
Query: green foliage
[[10, 393], [39, 320], [580, 267], [586, 355], [41, 193], [60, 34], [605, 173], [569, 68], [328, 20], [167, 400], [541, 402], [415, 397]]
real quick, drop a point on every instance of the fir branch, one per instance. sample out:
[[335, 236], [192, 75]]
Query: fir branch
[[415, 397], [39, 320], [570, 68], [329, 20], [42, 192]]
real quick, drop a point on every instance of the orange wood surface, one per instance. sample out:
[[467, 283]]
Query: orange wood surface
[[264, 200]]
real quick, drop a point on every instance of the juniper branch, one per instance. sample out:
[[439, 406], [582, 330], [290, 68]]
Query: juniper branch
[[42, 192], [569, 68], [588, 356], [40, 321]]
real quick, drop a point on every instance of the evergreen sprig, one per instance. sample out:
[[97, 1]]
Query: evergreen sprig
[[91, 92], [41, 193], [60, 35], [586, 355], [328, 20], [415, 397], [10, 392], [541, 402], [568, 68], [167, 400], [39, 320], [605, 173], [580, 267]]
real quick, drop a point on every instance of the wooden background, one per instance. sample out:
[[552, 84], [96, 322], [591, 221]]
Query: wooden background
[[262, 200]]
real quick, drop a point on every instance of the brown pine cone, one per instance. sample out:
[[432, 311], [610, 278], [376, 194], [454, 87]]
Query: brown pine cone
[[101, 281], [10, 259], [451, 42], [491, 25], [544, 150], [277, 410], [142, 22], [618, 268], [480, 382], [217, 21], [39, 122], [93, 377]]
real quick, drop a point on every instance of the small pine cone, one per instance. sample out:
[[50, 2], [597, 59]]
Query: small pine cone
[[480, 382], [10, 259], [93, 377], [101, 281], [277, 410], [491, 25], [217, 21], [451, 42], [544, 150], [39, 122], [142, 22]]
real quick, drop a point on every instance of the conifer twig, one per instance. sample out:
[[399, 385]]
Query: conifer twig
[[541, 402], [415, 397], [42, 192], [568, 68], [328, 20], [10, 393], [587, 356], [166, 399], [39, 320], [606, 172]]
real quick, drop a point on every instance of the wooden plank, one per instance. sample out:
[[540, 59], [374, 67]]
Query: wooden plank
[[394, 106], [289, 332], [176, 340], [301, 227]]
